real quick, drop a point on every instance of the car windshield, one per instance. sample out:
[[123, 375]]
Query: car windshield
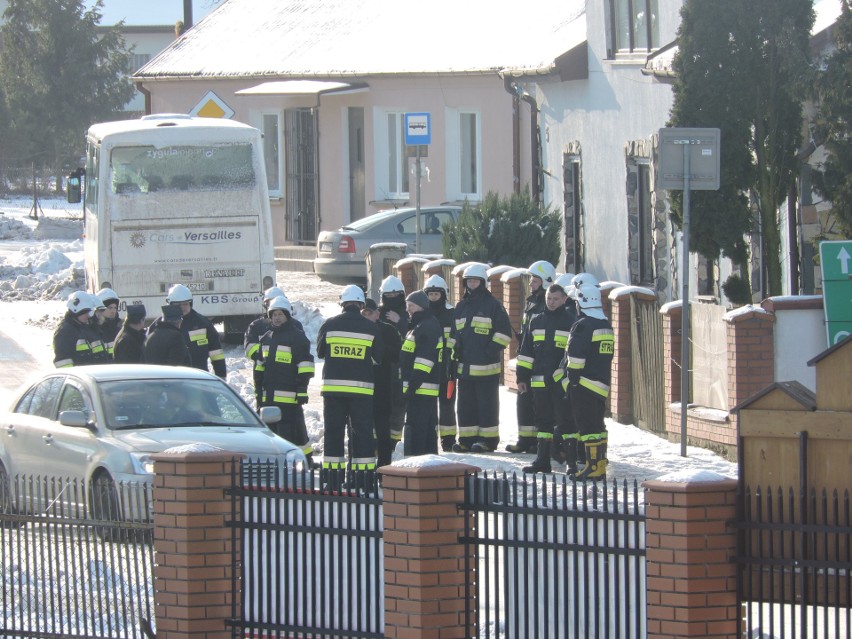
[[160, 403], [371, 220]]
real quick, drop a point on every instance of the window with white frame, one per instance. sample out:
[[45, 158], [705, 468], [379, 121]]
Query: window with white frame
[[633, 26], [464, 154], [270, 127], [397, 169]]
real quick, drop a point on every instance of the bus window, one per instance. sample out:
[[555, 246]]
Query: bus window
[[93, 155]]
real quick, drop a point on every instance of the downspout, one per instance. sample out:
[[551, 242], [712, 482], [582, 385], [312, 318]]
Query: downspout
[[148, 101], [535, 145], [516, 134]]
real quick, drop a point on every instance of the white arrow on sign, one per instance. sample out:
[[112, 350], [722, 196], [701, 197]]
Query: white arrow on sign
[[844, 257]]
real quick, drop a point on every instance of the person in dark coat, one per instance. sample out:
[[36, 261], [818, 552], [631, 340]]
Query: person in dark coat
[[437, 290], [75, 341], [129, 345], [108, 321], [384, 383], [166, 345], [392, 310]]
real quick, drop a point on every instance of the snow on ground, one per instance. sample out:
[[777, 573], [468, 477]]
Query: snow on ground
[[41, 262]]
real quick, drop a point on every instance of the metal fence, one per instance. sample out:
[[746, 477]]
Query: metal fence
[[72, 565], [795, 564], [308, 558], [554, 558]]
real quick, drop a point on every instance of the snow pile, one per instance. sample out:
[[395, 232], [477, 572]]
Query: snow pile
[[41, 272], [12, 229]]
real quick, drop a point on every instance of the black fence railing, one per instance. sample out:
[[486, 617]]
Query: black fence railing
[[795, 564], [76, 560], [554, 558], [307, 554]]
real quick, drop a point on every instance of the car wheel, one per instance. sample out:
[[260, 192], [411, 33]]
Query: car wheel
[[104, 507]]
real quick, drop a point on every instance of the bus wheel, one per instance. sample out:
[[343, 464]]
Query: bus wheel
[[235, 328]]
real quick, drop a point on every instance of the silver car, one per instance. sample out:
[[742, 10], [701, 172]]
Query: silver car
[[342, 254], [101, 424]]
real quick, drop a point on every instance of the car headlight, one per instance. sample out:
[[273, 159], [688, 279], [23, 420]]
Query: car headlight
[[142, 464], [296, 461]]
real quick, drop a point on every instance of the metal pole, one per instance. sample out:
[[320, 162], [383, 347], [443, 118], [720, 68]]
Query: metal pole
[[417, 200], [684, 327]]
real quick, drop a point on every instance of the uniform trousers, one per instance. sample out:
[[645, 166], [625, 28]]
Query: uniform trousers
[[420, 437], [479, 410], [359, 411]]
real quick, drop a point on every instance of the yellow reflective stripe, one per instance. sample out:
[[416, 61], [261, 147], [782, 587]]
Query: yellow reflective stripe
[[216, 355], [307, 448], [603, 334], [251, 349], [460, 323], [333, 463], [259, 366], [97, 347], [538, 338], [305, 367], [423, 364], [481, 321], [284, 397], [524, 362], [408, 346], [501, 338], [542, 435], [595, 386], [487, 369], [363, 464], [558, 374], [576, 362], [355, 390], [349, 341], [64, 363]]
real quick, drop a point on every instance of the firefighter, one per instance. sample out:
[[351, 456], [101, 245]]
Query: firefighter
[[540, 375], [419, 370], [166, 345], [75, 341], [481, 330], [202, 338], [350, 344], [566, 430], [109, 323], [130, 341], [541, 275], [588, 373], [255, 330], [392, 310], [438, 291], [287, 368], [385, 376]]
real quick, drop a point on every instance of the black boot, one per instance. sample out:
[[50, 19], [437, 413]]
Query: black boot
[[541, 464], [332, 479], [557, 453], [447, 442], [569, 446], [523, 446]]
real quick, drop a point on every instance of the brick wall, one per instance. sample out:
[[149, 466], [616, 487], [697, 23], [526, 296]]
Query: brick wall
[[751, 354], [621, 395], [513, 302]]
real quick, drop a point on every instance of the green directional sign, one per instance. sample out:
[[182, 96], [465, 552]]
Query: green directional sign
[[836, 265]]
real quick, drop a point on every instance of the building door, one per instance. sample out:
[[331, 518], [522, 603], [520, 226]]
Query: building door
[[302, 193], [356, 163]]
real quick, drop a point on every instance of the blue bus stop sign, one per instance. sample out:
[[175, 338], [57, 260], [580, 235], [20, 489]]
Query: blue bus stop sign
[[418, 129]]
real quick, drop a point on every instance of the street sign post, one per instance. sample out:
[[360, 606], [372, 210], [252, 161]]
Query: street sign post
[[836, 267], [418, 131], [689, 159]]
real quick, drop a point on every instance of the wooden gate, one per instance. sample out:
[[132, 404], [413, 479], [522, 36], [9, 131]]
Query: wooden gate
[[646, 339]]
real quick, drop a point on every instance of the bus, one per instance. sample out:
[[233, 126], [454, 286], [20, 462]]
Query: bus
[[175, 199]]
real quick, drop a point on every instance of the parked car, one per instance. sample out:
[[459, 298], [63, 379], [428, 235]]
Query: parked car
[[101, 424], [342, 254]]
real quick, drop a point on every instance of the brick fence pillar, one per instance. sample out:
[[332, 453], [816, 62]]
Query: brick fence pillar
[[690, 548], [193, 590], [751, 352], [425, 572], [513, 301]]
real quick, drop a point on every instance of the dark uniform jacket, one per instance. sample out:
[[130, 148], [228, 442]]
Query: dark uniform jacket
[[167, 345], [589, 357], [203, 342], [386, 372], [287, 364], [543, 349], [76, 344], [535, 304], [350, 344], [481, 331], [444, 314], [395, 304], [109, 330], [129, 346], [257, 329], [419, 359]]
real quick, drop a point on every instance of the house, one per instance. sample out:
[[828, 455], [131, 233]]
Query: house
[[329, 82]]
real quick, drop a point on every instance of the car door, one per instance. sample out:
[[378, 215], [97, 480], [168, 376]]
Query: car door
[[69, 450], [431, 223], [29, 420]]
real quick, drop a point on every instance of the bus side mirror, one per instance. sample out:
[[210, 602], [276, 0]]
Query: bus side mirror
[[74, 186]]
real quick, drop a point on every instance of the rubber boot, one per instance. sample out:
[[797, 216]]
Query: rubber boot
[[595, 468], [557, 453], [332, 479], [541, 464], [447, 442], [523, 446], [569, 447]]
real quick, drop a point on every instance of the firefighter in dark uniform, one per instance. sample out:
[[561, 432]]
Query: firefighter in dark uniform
[[201, 336], [541, 275], [589, 371], [109, 323], [481, 330], [540, 374], [130, 343], [386, 378], [392, 310], [420, 372], [566, 430], [437, 290], [288, 367], [256, 330], [349, 344], [75, 341], [166, 345]]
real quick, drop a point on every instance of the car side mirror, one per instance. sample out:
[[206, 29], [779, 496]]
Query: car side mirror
[[75, 418], [270, 414], [74, 186]]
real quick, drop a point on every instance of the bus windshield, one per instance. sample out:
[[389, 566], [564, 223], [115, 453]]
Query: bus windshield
[[138, 170]]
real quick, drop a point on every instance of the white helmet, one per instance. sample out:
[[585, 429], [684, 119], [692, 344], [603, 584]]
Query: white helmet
[[81, 302], [280, 303], [271, 293], [544, 271], [564, 281], [352, 293], [585, 279], [476, 270], [108, 295], [391, 284], [436, 283], [589, 301], [179, 293]]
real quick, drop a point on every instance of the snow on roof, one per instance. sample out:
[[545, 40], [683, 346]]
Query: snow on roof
[[422, 461], [745, 310], [436, 263], [339, 38], [692, 477], [665, 308], [411, 259], [499, 270], [459, 268], [513, 274], [624, 291]]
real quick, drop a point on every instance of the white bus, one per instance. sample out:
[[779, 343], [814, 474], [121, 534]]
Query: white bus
[[173, 199]]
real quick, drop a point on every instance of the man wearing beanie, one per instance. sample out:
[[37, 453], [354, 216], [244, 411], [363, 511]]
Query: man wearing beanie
[[129, 345], [419, 369]]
